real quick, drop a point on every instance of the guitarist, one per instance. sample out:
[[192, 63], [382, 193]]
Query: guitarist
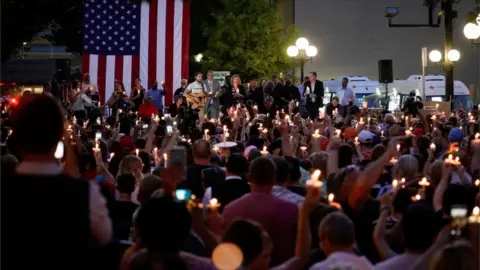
[[195, 95]]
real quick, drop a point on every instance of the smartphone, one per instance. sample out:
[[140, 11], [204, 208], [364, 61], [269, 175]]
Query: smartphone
[[169, 129], [59, 152], [458, 213], [98, 135], [183, 194]]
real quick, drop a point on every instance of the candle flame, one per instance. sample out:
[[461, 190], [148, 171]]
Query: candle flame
[[476, 211], [331, 197], [394, 183], [477, 182]]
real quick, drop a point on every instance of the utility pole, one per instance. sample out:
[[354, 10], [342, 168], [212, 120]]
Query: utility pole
[[449, 14]]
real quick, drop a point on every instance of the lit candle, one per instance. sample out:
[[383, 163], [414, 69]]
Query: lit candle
[[477, 136], [213, 204], [381, 132], [316, 135], [433, 117], [156, 118], [433, 146], [477, 183], [155, 150], [206, 134], [111, 156], [96, 149], [314, 179], [416, 197], [436, 106], [303, 148], [224, 133], [69, 129], [424, 182], [137, 151], [216, 149], [265, 131], [264, 152], [98, 121], [398, 147], [165, 159], [331, 197], [475, 217], [408, 132], [394, 183]]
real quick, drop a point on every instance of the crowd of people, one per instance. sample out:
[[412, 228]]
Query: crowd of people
[[262, 177]]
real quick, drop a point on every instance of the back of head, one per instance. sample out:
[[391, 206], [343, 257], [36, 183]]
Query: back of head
[[146, 160], [126, 183], [262, 172], [158, 235], [8, 164], [419, 226], [201, 149], [458, 255], [345, 158], [237, 164], [148, 185], [282, 169], [294, 169], [406, 167], [338, 229], [37, 125], [247, 236]]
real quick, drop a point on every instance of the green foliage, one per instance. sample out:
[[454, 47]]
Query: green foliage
[[248, 39]]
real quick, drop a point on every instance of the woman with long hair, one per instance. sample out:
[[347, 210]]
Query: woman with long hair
[[137, 94]]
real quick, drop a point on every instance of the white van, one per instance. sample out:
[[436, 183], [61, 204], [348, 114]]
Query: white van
[[361, 85]]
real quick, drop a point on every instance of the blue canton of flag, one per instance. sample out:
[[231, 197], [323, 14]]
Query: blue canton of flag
[[111, 27]]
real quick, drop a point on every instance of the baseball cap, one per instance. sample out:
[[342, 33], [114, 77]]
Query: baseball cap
[[365, 136], [127, 143], [455, 135], [248, 149]]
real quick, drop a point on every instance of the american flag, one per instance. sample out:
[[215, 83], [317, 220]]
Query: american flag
[[147, 40]]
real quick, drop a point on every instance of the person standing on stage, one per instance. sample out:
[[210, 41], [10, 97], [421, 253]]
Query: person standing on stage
[[238, 90], [346, 96], [212, 89], [314, 95], [137, 94], [87, 85], [193, 91], [157, 96], [179, 91]]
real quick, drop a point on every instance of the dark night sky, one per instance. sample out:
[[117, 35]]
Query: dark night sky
[[351, 35]]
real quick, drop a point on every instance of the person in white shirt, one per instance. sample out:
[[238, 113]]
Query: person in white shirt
[[193, 92], [346, 96], [337, 237], [87, 85]]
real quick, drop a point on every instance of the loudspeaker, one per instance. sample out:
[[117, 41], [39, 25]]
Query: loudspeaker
[[385, 71], [62, 68]]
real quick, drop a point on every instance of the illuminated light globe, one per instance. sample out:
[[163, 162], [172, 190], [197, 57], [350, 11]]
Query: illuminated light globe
[[292, 51], [198, 57], [311, 51], [302, 43], [471, 31], [453, 55], [435, 56]]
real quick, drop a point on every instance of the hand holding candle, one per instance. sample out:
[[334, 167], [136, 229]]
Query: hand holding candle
[[424, 182], [264, 152], [213, 204]]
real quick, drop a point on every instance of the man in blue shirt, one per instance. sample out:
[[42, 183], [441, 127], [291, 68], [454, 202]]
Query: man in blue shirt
[[157, 96]]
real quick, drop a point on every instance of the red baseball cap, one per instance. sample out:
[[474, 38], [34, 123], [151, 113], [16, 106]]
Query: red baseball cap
[[127, 143]]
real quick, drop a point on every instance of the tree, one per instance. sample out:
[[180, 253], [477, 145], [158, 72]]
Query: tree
[[248, 39]]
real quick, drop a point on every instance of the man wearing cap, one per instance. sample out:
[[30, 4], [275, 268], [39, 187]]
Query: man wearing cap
[[366, 139]]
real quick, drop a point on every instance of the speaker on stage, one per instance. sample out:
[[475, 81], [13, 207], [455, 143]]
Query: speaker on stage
[[385, 71]]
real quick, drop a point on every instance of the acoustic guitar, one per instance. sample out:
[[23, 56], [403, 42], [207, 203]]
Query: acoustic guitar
[[196, 100]]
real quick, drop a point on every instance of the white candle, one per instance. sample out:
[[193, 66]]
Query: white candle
[[477, 183], [224, 133], [111, 156], [206, 134], [316, 135], [264, 152], [213, 204], [314, 179], [433, 146], [394, 183], [155, 150], [165, 159], [424, 182], [398, 147], [137, 151], [303, 148], [331, 197]]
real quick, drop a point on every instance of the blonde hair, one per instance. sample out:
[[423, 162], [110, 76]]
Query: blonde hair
[[406, 167], [129, 164], [236, 76]]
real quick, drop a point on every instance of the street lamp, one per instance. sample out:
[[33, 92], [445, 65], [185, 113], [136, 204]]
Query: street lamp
[[453, 56], [302, 52], [435, 56], [471, 31]]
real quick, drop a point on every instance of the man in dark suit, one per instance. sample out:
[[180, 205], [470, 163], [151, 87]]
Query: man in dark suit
[[255, 94], [314, 95]]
